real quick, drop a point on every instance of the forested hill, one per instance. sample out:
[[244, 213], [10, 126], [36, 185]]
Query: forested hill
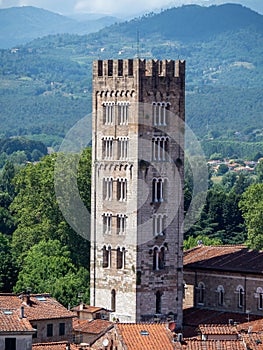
[[20, 25], [193, 22], [50, 78]]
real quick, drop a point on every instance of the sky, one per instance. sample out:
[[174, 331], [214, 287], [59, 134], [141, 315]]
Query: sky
[[119, 8]]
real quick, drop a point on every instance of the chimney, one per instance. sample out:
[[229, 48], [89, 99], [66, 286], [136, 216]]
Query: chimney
[[22, 312], [81, 306]]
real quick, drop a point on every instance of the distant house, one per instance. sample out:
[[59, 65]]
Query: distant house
[[89, 331], [88, 312], [51, 320], [15, 330]]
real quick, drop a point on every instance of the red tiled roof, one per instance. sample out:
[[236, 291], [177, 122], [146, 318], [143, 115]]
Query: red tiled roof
[[54, 346], [10, 321], [41, 306], [142, 336], [217, 329], [94, 326], [87, 308], [253, 341], [193, 317], [236, 258], [194, 344]]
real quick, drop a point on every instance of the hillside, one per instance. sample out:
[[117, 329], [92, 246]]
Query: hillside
[[50, 78], [20, 25]]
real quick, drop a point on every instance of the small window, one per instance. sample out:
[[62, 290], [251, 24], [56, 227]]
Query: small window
[[106, 257], [158, 306], [120, 68], [62, 329], [113, 300], [10, 343], [221, 292], [110, 68], [50, 330], [130, 67], [201, 293], [35, 334], [240, 293], [100, 68], [120, 258]]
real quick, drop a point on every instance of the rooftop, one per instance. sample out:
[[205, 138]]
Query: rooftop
[[236, 258], [142, 336], [217, 329], [37, 307], [10, 321], [54, 346], [93, 327]]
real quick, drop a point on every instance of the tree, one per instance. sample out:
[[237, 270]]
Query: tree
[[37, 212], [259, 172], [251, 206], [8, 271], [223, 168], [192, 242], [54, 273]]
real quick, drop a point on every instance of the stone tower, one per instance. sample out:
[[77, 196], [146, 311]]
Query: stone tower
[[137, 189]]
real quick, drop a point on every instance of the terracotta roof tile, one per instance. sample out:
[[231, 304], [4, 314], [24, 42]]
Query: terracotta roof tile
[[10, 321], [217, 329], [91, 326], [193, 317], [53, 346], [225, 258], [87, 308], [142, 336], [41, 307], [253, 341], [194, 344]]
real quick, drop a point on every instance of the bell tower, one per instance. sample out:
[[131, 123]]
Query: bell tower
[[137, 189]]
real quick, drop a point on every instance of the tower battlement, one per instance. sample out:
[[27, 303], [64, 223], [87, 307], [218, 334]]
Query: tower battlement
[[131, 67]]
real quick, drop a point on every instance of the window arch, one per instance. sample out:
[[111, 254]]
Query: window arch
[[240, 292], [108, 112], [221, 292], [201, 293], [107, 222], [159, 114]]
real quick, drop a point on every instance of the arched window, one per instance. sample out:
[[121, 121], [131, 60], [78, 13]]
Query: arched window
[[221, 292], [108, 188], [107, 223], [159, 221], [123, 113], [158, 304], [158, 258], [160, 148], [240, 292], [113, 300], [120, 258], [259, 296], [122, 189], [106, 257], [108, 112], [158, 190], [159, 114], [121, 224], [201, 293]]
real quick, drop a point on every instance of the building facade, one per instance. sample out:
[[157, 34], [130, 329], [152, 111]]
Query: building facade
[[224, 278], [137, 188]]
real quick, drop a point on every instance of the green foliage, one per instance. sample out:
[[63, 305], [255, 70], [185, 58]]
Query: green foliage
[[54, 272], [222, 169], [259, 172], [37, 212], [192, 242], [8, 270], [51, 77], [251, 205]]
